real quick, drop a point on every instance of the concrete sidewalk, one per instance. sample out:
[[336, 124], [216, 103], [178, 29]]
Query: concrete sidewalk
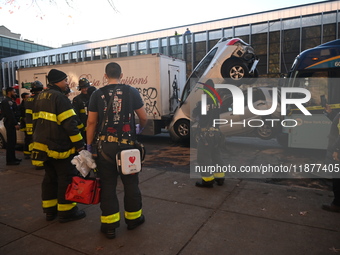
[[241, 217]]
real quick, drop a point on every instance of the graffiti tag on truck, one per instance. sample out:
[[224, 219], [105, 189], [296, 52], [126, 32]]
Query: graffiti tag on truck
[[149, 96]]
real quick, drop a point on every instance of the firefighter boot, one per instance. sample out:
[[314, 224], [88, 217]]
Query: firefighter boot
[[51, 213], [108, 230], [132, 224], [219, 181], [205, 184], [74, 214]]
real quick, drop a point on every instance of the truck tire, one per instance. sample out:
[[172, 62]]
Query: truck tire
[[2, 142], [235, 70], [182, 129]]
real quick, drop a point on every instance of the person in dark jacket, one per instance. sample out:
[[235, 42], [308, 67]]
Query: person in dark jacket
[[209, 141], [80, 102], [56, 140], [119, 132], [36, 88], [333, 157], [22, 109], [11, 114]]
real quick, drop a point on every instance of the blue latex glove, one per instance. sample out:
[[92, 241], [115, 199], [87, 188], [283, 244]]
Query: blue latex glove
[[139, 129]]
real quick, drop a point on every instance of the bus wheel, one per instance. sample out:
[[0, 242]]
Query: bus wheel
[[182, 129], [266, 132], [236, 71]]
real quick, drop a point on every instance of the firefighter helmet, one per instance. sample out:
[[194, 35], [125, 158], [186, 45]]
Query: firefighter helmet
[[83, 83], [36, 86]]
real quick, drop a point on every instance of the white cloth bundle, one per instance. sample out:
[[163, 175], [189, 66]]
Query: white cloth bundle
[[84, 162]]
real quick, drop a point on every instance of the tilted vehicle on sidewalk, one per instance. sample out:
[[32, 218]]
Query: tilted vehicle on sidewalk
[[229, 61]]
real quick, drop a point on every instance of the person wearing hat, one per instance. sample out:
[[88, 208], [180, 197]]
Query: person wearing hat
[[36, 88], [22, 108], [56, 140], [80, 102], [11, 115]]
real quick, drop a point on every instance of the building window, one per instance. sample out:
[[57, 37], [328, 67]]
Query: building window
[[45, 61], [87, 55], [141, 48], [132, 49], [65, 58], [228, 33], [290, 47], [243, 30], [73, 57], [123, 49], [201, 37], [329, 33], [311, 21], [52, 60], [96, 54], [154, 46], [311, 37], [113, 51], [274, 53], [291, 23], [216, 34], [259, 43], [104, 53]]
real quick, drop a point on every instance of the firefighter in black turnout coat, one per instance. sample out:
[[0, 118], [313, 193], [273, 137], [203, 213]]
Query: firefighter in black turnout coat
[[56, 139]]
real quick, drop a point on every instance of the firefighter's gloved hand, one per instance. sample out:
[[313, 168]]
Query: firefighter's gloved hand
[[84, 162], [139, 129]]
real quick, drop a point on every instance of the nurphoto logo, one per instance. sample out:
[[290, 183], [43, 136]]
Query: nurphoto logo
[[238, 104]]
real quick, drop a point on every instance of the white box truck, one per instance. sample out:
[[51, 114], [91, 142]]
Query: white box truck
[[159, 79]]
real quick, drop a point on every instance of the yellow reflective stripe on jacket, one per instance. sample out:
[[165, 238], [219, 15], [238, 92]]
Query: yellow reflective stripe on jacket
[[82, 111], [49, 203], [80, 126], [133, 215], [65, 115], [76, 138], [51, 153], [29, 111], [110, 218], [208, 179], [66, 207], [29, 129], [45, 116]]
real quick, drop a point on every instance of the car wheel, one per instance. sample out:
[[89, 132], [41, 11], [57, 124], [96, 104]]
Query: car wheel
[[182, 129], [266, 132], [236, 71], [2, 142]]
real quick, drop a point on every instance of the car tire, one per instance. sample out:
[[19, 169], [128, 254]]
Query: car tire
[[266, 132], [236, 71], [2, 142], [182, 129]]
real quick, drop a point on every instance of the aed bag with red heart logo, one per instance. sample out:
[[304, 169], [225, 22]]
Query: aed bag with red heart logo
[[128, 161]]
